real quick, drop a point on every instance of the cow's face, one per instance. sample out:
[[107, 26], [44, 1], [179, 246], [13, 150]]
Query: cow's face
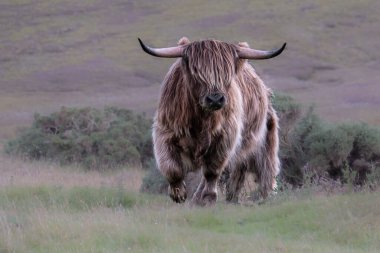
[[210, 69], [210, 66]]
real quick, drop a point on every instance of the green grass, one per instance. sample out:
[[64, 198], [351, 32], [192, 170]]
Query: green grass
[[76, 198], [51, 219]]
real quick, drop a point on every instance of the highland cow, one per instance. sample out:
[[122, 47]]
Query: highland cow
[[215, 113]]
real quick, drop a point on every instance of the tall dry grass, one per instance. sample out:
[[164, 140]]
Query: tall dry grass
[[17, 172]]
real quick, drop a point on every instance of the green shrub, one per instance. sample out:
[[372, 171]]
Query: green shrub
[[288, 111], [338, 147], [309, 145], [294, 130], [96, 139], [101, 139]]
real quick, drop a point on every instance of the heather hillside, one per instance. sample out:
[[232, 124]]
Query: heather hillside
[[70, 53]]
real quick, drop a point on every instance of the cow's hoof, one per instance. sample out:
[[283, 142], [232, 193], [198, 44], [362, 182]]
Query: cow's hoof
[[197, 199], [204, 198], [209, 198], [178, 192], [232, 198]]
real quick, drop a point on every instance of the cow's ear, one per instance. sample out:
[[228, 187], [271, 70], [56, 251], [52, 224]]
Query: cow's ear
[[240, 62], [243, 44], [183, 41]]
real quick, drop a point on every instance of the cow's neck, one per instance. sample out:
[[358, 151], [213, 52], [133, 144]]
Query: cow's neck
[[203, 122]]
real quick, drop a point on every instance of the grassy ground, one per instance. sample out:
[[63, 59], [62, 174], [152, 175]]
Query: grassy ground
[[40, 214]]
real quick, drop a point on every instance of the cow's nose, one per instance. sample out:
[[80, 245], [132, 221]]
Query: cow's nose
[[215, 101]]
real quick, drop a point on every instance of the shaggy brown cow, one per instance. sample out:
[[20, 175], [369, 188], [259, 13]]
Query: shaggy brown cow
[[214, 112]]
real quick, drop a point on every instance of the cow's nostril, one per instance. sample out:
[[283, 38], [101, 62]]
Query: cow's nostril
[[215, 98], [209, 100], [221, 100], [215, 101]]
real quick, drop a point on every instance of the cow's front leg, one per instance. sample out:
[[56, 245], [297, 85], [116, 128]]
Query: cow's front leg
[[210, 192], [213, 163], [177, 192], [173, 170], [168, 157]]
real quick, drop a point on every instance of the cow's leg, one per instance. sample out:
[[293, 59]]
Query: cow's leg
[[206, 193], [197, 196], [211, 174], [267, 162], [214, 161], [168, 157], [235, 182]]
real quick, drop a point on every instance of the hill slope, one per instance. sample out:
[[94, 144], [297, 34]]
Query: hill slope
[[71, 53]]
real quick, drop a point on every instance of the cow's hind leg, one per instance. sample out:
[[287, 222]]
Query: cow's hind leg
[[267, 161], [197, 196], [235, 182]]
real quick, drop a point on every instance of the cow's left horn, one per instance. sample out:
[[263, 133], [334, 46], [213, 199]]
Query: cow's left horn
[[168, 52], [253, 54]]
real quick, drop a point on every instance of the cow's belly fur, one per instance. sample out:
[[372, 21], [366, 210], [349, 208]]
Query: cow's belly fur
[[245, 144]]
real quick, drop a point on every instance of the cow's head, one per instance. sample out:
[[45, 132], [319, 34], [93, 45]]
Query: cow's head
[[210, 66]]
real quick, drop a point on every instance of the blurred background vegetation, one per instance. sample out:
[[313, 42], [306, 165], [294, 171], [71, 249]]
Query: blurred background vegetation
[[86, 54], [312, 150], [96, 139]]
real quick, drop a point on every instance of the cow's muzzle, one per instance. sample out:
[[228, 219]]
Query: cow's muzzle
[[214, 101]]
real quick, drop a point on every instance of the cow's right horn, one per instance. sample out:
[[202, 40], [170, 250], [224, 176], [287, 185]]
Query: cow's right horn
[[253, 54], [168, 52]]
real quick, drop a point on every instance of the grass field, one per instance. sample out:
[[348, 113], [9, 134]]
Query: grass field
[[42, 210]]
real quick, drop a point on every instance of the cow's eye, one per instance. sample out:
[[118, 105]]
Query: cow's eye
[[185, 59]]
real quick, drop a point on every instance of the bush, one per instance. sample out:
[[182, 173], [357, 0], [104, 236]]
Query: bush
[[296, 152], [338, 147], [288, 111], [96, 139], [310, 147], [101, 139], [294, 130]]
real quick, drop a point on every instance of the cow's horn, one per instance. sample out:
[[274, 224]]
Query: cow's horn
[[168, 52], [253, 54]]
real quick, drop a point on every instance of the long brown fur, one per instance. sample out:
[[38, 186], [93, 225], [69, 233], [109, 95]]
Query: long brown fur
[[242, 136]]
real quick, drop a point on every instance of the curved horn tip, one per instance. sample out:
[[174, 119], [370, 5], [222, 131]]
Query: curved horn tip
[[253, 54], [283, 47], [278, 51], [146, 48], [169, 52], [141, 43]]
